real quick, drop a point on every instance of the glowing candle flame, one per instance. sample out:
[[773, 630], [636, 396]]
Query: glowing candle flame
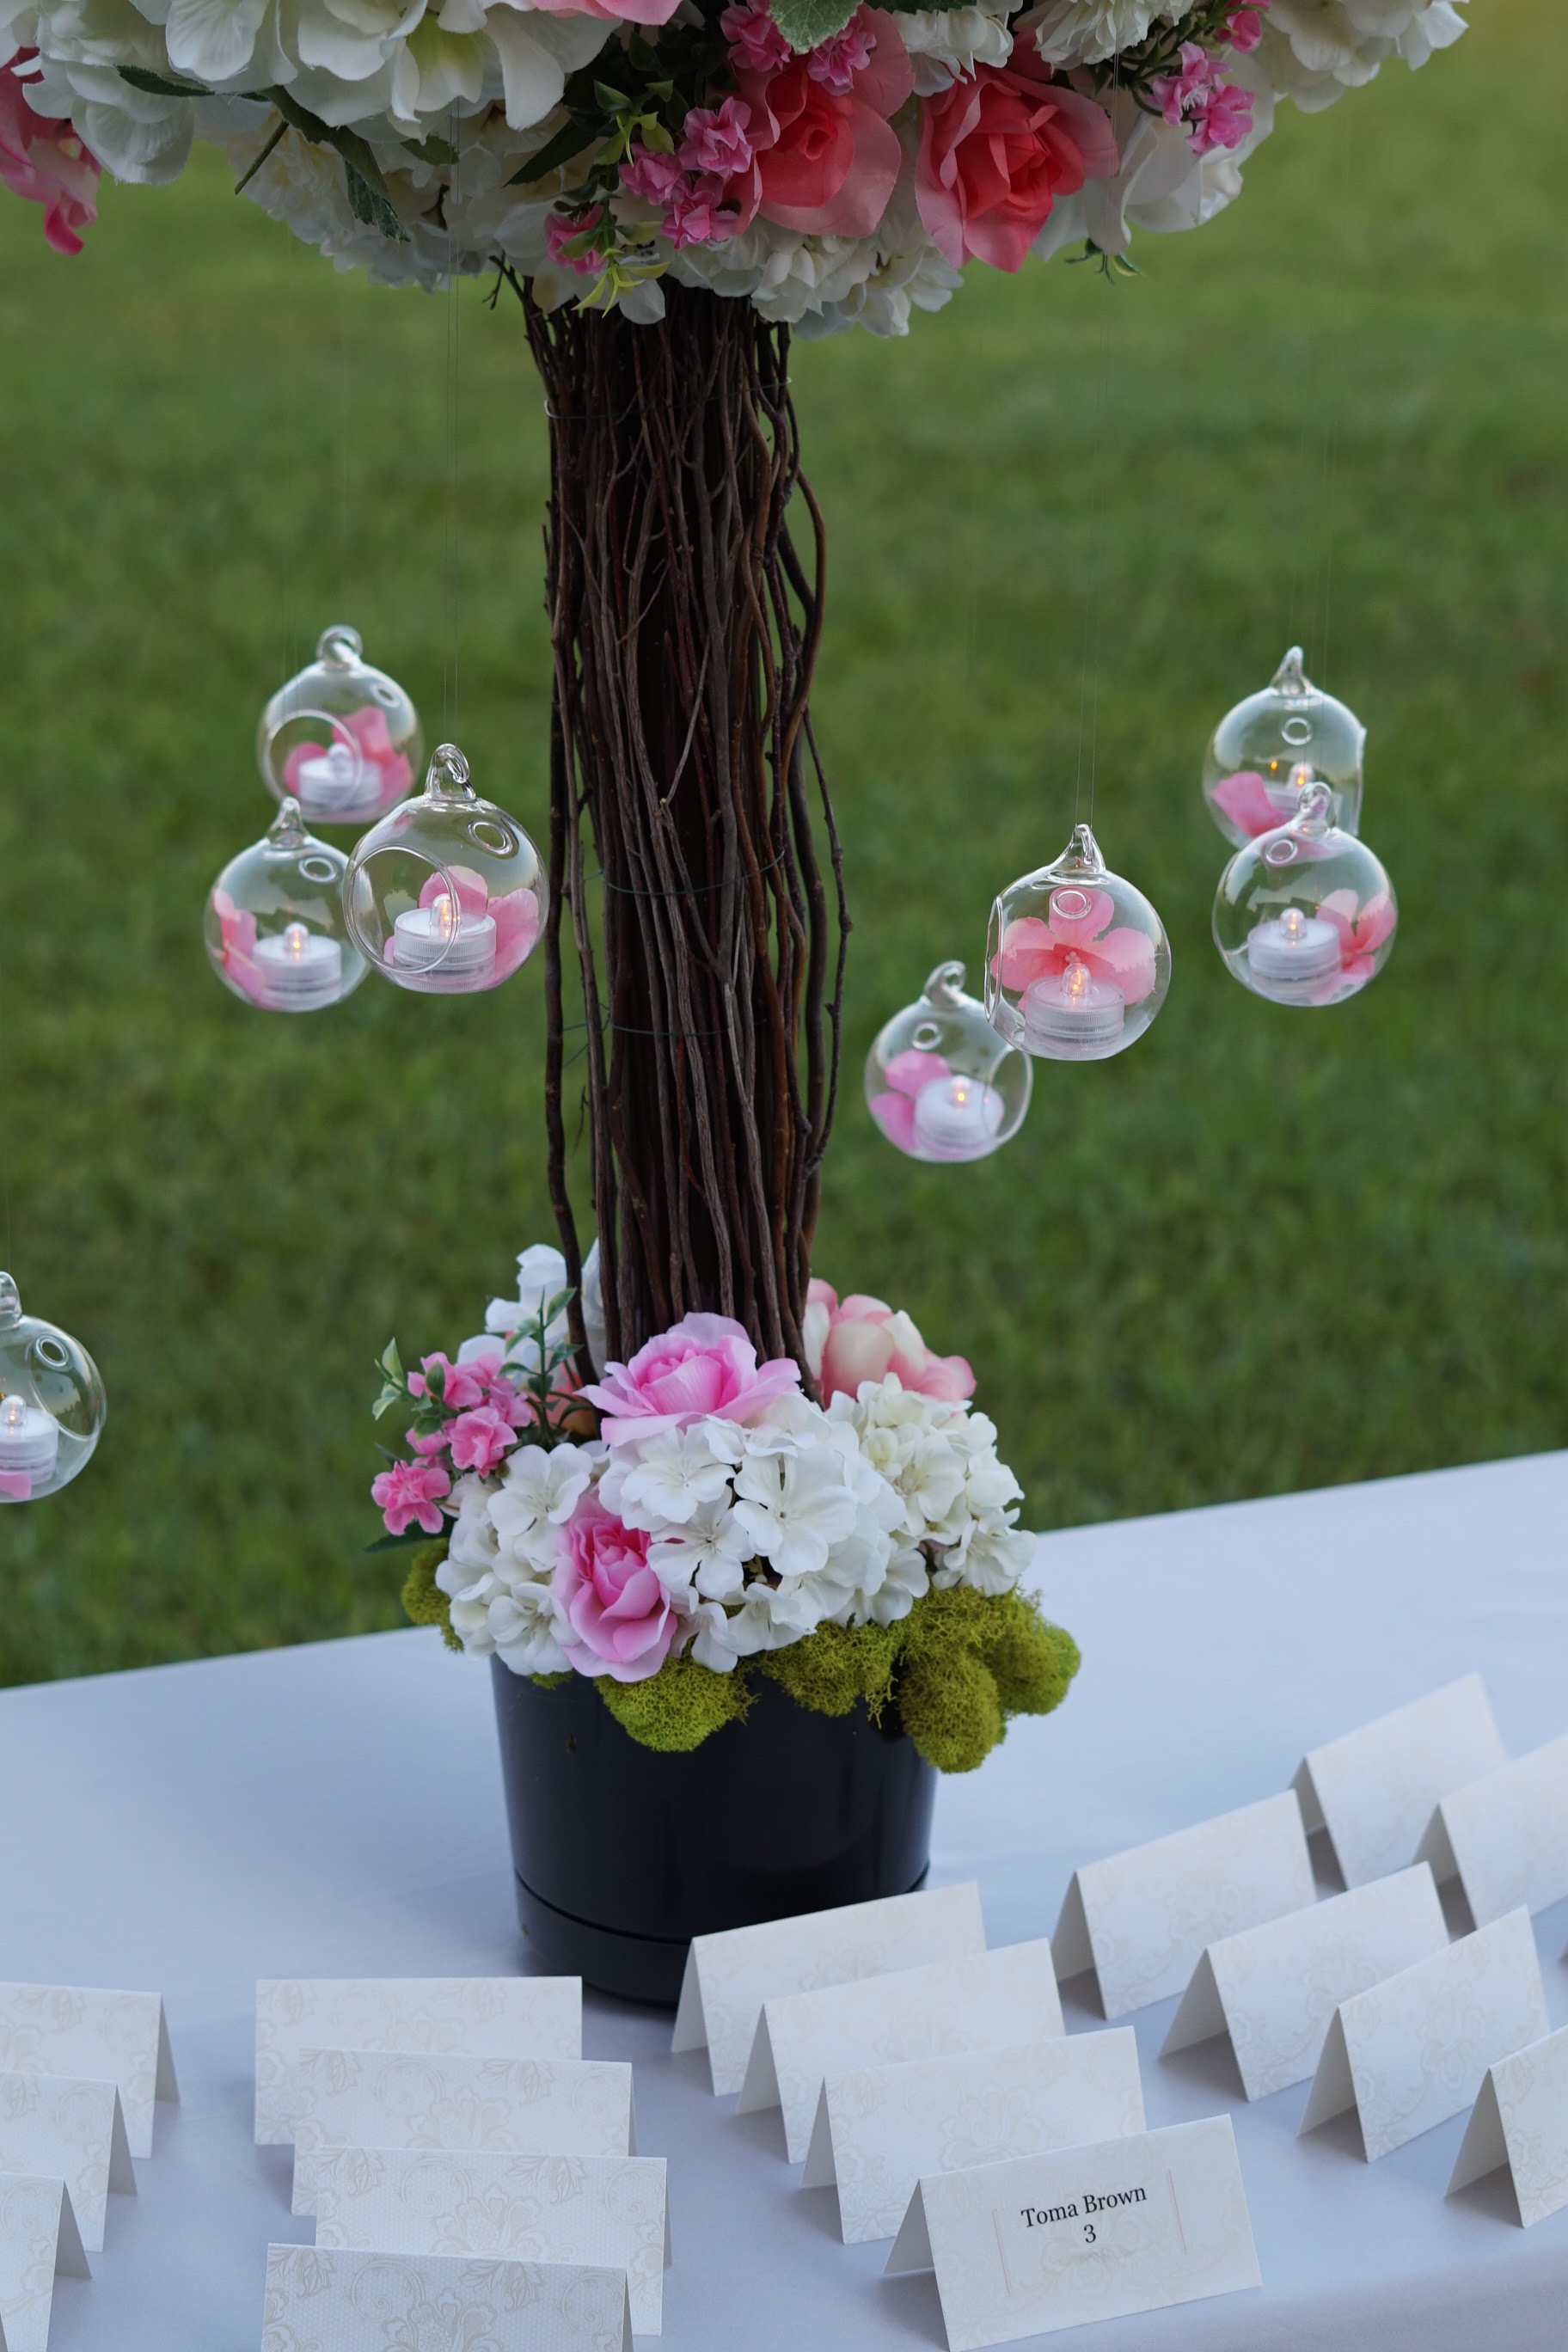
[[445, 917], [13, 1413], [1292, 922], [1076, 986], [296, 938]]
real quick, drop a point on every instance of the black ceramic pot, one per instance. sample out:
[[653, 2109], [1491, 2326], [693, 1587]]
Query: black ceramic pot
[[623, 1855]]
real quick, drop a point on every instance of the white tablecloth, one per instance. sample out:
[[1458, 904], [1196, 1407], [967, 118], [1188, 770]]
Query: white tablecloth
[[337, 1811]]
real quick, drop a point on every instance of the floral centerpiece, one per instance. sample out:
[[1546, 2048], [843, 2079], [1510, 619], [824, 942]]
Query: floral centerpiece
[[692, 1516]]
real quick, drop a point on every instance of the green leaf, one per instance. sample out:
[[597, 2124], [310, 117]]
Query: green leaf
[[160, 85], [803, 23], [432, 150], [556, 152], [368, 198], [609, 97]]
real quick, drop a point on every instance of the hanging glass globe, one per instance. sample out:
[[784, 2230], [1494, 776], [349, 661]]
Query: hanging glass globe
[[446, 895], [1264, 752], [942, 1084], [342, 737], [275, 928], [52, 1405], [1306, 914], [1076, 961]]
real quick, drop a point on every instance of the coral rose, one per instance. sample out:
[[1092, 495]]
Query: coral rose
[[611, 1598], [826, 159], [705, 1365], [997, 151], [864, 1339]]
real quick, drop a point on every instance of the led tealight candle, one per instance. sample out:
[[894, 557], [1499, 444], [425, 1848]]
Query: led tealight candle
[[1291, 954], [446, 940], [957, 1119], [337, 782], [1285, 793], [29, 1438], [299, 969], [1072, 1017]]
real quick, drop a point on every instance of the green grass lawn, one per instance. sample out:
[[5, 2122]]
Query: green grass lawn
[[1265, 1249]]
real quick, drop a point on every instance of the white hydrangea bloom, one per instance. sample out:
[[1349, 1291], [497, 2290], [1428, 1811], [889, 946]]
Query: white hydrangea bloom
[[1311, 49], [793, 1505], [943, 43], [665, 1481], [1086, 32], [537, 1490], [524, 1625], [705, 1554]]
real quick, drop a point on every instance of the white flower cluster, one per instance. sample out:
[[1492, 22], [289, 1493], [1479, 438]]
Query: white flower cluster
[[417, 79], [756, 1535]]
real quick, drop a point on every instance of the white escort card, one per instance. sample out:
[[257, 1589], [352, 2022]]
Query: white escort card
[[1092, 2232], [38, 2237], [1141, 1919], [337, 2301], [729, 1974], [881, 2129], [1374, 1790], [474, 2017], [608, 2211], [68, 2131], [980, 2003], [92, 2036], [1412, 2052], [1505, 1837], [1274, 1988], [1521, 2120], [518, 2106]]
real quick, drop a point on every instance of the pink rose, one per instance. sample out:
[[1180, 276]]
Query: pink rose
[[42, 159], [863, 1338], [706, 1364], [827, 161], [480, 1439], [611, 1598], [411, 1490], [997, 151]]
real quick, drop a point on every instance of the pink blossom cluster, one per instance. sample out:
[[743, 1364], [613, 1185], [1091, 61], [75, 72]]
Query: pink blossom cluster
[[691, 185], [44, 160], [1244, 26], [479, 1412], [1213, 112]]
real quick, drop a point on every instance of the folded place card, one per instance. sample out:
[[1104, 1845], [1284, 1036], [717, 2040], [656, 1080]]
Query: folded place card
[[68, 2131], [39, 2236], [1374, 1790], [518, 2106], [729, 1975], [1521, 2119], [92, 2036], [980, 2003], [336, 2301], [1141, 1919], [1412, 2052], [1275, 1988], [1505, 1838], [474, 2017], [880, 2129], [1091, 2232], [608, 2211]]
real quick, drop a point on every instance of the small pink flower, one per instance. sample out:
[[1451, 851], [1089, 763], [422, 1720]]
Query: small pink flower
[[649, 176], [1175, 93], [408, 1491], [42, 159], [835, 61], [611, 1598], [1223, 118], [696, 214], [863, 1338], [560, 228], [459, 1385], [427, 1448], [705, 1365], [716, 139], [756, 44], [1244, 27], [894, 1111], [480, 1439], [236, 928], [1077, 930]]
